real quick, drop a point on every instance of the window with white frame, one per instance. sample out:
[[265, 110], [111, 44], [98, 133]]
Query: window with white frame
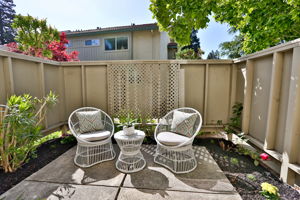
[[92, 42], [118, 43], [69, 44]]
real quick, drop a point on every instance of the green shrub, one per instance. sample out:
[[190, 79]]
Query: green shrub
[[20, 127], [189, 54]]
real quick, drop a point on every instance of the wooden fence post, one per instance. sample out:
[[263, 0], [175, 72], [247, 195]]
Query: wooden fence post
[[181, 87], [292, 126], [248, 96], [205, 94], [274, 98], [83, 85], [232, 89], [42, 87], [9, 78]]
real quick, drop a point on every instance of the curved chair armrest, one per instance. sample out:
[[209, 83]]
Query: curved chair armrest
[[108, 126]]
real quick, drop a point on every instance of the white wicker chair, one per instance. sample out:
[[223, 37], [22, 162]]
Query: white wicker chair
[[176, 153], [90, 152]]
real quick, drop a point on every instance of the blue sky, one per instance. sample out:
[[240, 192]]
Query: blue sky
[[89, 14]]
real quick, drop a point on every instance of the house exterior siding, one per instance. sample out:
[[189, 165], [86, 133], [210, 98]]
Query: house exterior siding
[[98, 52], [142, 45]]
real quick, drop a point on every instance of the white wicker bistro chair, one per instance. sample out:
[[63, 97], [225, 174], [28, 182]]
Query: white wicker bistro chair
[[93, 130], [174, 141]]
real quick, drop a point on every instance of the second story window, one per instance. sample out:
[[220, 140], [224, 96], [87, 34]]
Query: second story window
[[92, 42], [118, 43]]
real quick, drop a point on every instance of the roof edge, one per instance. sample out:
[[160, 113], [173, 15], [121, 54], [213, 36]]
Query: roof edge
[[142, 27]]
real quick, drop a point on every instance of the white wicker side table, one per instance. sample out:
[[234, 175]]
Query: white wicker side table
[[130, 159]]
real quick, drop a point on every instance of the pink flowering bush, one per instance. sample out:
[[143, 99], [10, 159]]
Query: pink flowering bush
[[36, 38], [58, 50], [13, 47]]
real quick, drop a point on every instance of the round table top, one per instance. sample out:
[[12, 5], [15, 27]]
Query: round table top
[[138, 134]]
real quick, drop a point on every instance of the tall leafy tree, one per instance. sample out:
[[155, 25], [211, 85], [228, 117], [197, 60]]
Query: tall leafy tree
[[191, 51], [7, 14], [194, 42], [213, 55], [262, 23], [34, 35], [232, 49]]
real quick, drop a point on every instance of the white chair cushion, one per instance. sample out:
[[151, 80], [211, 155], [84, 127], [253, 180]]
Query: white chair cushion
[[183, 123], [171, 139], [89, 121], [94, 136]]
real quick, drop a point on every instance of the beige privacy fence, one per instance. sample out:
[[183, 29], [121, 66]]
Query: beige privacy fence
[[153, 87], [271, 115]]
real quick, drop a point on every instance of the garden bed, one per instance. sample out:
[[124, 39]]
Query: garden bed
[[47, 152], [243, 174]]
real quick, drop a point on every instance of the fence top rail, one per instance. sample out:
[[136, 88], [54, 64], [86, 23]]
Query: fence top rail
[[6, 53], [107, 62], [20, 56], [279, 48]]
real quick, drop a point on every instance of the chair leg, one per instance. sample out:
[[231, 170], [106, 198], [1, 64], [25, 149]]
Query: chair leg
[[87, 156], [178, 161]]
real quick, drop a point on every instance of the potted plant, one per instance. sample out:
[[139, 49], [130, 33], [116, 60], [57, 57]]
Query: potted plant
[[128, 125]]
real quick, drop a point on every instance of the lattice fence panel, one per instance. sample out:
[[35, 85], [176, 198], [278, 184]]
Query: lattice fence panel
[[148, 90]]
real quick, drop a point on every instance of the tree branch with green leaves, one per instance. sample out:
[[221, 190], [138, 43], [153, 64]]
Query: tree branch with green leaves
[[261, 23]]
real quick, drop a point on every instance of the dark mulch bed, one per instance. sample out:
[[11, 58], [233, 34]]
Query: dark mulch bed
[[244, 175], [47, 152]]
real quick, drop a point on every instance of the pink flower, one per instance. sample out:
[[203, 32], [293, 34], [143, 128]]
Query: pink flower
[[264, 156]]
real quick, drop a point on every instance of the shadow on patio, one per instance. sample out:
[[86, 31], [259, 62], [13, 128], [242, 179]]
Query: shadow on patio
[[61, 179]]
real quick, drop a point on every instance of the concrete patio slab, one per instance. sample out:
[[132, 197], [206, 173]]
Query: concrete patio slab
[[62, 179], [207, 177], [144, 194], [29, 190], [63, 170]]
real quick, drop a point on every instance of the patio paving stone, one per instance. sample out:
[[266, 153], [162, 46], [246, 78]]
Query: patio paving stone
[[207, 177], [63, 170], [29, 190], [144, 194]]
